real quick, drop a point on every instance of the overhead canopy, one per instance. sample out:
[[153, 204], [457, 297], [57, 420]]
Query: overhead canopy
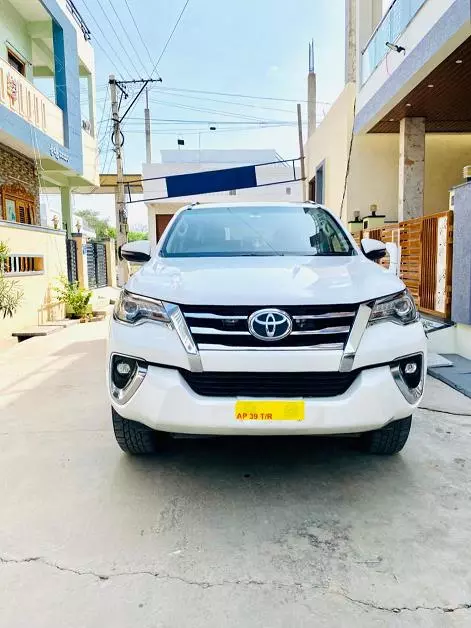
[[442, 98], [108, 184]]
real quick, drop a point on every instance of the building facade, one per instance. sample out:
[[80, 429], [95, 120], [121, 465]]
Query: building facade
[[396, 143], [47, 140], [275, 178], [400, 132]]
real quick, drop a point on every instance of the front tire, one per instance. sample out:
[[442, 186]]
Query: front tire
[[135, 438], [388, 440]]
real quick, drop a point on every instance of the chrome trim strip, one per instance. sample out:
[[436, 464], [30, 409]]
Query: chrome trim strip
[[412, 395], [358, 329], [239, 317], [217, 332], [179, 323], [214, 316], [321, 316], [328, 346], [325, 330], [123, 395]]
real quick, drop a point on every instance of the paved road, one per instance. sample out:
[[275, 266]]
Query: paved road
[[230, 533]]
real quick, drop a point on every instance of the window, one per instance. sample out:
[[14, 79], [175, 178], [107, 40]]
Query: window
[[288, 191], [319, 183], [255, 231], [17, 205], [232, 192], [16, 63]]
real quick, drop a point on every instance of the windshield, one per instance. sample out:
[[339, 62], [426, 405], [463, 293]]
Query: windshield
[[244, 230]]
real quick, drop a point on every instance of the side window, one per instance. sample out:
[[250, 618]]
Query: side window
[[320, 183]]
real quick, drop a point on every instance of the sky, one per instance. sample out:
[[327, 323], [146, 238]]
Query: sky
[[254, 48]]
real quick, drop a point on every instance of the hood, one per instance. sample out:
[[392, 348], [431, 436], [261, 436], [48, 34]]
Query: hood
[[277, 280]]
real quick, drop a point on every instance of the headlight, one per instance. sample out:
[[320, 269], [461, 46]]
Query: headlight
[[399, 308], [133, 309]]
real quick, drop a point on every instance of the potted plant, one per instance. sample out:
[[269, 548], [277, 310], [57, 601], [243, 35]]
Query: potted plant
[[75, 299]]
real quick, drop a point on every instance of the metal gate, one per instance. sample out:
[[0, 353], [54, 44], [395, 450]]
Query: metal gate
[[96, 265], [71, 250]]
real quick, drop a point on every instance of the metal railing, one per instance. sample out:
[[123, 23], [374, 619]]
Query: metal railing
[[79, 19], [22, 264], [392, 25]]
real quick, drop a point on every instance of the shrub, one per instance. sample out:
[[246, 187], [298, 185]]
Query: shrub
[[75, 298], [11, 294]]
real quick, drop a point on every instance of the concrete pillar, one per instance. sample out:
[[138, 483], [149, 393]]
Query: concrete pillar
[[82, 269], [350, 42], [66, 209], [110, 248], [411, 168], [311, 93], [311, 103], [461, 276]]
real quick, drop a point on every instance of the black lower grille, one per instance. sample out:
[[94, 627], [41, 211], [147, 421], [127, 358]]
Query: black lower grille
[[291, 385]]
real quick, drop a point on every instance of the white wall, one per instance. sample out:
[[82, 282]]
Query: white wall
[[330, 144]]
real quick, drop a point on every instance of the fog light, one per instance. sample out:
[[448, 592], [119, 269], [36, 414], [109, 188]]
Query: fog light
[[410, 368], [126, 375], [123, 368]]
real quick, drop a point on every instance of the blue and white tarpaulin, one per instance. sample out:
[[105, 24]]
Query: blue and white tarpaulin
[[211, 181]]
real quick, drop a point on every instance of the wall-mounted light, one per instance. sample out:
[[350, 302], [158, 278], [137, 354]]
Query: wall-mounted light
[[395, 47]]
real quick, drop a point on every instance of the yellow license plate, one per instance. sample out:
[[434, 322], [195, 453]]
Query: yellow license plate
[[269, 410]]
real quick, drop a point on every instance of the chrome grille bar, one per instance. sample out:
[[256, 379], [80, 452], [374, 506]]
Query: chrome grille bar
[[311, 317]]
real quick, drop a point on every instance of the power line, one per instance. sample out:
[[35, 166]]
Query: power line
[[231, 102], [139, 32], [128, 38], [216, 111], [119, 40], [139, 120], [195, 131], [199, 91], [170, 37], [113, 62]]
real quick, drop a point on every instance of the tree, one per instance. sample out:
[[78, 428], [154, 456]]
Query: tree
[[103, 229], [99, 225], [137, 235]]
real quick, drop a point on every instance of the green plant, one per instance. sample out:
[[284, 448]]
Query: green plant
[[75, 298], [11, 293]]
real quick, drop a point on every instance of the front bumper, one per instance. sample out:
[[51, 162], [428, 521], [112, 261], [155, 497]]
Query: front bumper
[[164, 401]]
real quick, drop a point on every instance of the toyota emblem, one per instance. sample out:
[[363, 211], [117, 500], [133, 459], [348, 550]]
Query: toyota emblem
[[270, 324]]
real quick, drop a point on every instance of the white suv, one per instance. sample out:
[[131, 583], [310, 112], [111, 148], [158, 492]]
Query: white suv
[[263, 319]]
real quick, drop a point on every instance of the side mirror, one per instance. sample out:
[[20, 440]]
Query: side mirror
[[373, 249], [136, 252]]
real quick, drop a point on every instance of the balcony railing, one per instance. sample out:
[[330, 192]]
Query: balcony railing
[[79, 19], [392, 25], [19, 95]]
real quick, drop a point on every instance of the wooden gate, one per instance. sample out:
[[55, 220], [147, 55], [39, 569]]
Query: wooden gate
[[96, 265], [426, 258]]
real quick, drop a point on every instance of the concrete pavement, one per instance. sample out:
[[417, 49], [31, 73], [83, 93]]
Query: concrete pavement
[[233, 533]]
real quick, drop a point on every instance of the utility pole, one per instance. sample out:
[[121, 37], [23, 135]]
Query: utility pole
[[121, 217], [118, 141], [147, 127], [301, 143]]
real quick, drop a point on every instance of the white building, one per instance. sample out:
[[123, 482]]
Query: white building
[[274, 175]]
